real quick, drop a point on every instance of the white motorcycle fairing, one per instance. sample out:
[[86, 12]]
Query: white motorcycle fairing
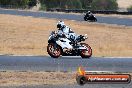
[[64, 43], [82, 47]]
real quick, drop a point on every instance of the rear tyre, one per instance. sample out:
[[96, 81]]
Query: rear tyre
[[95, 20], [54, 50], [86, 53]]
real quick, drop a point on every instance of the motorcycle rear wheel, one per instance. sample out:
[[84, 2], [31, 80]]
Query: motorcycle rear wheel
[[54, 51], [95, 20]]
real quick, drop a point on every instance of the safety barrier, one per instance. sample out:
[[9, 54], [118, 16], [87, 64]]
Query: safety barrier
[[93, 11]]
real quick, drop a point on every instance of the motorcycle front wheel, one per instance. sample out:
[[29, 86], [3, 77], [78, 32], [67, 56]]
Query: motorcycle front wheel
[[85, 18], [86, 53], [53, 50]]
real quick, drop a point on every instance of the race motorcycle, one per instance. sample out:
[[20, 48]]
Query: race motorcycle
[[79, 49], [90, 18]]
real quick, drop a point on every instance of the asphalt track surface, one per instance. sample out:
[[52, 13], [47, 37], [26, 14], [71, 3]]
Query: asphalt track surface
[[107, 20], [46, 63], [75, 86]]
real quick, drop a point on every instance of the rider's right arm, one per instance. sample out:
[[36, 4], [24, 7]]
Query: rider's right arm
[[59, 32]]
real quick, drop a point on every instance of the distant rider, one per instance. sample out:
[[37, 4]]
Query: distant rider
[[89, 13]]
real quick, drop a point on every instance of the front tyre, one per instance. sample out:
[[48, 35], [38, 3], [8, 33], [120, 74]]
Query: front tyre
[[86, 53], [54, 50], [85, 18]]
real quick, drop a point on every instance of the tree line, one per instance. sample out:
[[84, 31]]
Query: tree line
[[65, 4], [81, 4], [18, 3]]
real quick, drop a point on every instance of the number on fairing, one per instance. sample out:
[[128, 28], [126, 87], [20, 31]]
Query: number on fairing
[[72, 37]]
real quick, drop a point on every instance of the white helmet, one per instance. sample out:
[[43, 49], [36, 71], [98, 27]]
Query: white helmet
[[89, 12], [60, 24]]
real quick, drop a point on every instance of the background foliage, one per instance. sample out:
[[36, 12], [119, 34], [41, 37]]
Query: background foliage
[[129, 8], [104, 5], [65, 4]]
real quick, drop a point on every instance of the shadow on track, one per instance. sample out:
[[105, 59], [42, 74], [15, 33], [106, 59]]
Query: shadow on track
[[69, 57]]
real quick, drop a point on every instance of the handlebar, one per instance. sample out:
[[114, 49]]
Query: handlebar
[[81, 38]]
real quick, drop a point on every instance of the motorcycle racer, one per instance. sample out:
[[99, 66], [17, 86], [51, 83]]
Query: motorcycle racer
[[66, 43], [89, 13], [90, 17], [66, 34]]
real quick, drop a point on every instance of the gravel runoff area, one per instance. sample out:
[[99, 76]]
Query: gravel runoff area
[[28, 36], [28, 79], [14, 78]]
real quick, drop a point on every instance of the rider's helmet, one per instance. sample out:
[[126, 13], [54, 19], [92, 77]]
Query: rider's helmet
[[60, 24], [89, 12]]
